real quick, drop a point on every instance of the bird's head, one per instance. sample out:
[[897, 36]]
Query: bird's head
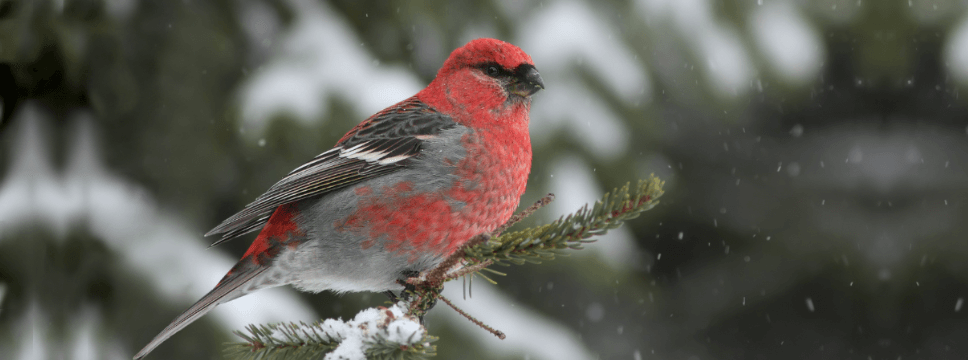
[[485, 74]]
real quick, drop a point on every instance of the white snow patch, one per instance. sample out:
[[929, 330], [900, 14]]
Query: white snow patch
[[723, 56], [261, 25], [30, 189], [727, 64], [787, 41], [568, 32], [405, 332], [369, 327], [87, 328], [563, 37], [151, 242], [583, 114], [29, 344], [319, 57]]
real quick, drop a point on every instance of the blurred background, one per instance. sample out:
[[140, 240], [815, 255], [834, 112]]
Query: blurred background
[[814, 154]]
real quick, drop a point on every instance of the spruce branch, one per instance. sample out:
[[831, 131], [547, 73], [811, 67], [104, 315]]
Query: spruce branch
[[571, 232], [377, 333], [516, 218], [532, 245], [282, 341]]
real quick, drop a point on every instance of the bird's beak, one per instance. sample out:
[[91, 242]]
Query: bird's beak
[[526, 81]]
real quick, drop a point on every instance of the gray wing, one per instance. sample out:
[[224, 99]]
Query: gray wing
[[378, 146]]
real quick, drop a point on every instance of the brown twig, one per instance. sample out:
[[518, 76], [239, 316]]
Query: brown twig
[[456, 274], [547, 199], [469, 269], [498, 333], [438, 274]]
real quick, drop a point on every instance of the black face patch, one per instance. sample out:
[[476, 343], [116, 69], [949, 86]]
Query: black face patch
[[522, 73], [521, 82], [495, 70]]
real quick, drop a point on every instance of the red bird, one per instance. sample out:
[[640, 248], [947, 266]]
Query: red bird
[[398, 193]]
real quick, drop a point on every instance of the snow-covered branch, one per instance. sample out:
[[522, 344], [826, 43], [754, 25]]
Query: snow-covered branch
[[375, 333]]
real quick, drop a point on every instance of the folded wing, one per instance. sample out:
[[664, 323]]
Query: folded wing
[[378, 146]]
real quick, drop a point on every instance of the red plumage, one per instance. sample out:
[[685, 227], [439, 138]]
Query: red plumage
[[400, 191], [278, 231]]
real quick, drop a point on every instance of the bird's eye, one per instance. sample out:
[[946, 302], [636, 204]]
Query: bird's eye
[[493, 71]]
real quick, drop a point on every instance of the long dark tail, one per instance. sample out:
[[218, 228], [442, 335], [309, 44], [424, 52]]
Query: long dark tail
[[230, 288]]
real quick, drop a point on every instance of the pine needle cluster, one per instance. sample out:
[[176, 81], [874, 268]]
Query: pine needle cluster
[[532, 245]]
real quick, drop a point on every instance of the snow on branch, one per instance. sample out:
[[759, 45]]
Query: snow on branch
[[375, 333], [396, 332]]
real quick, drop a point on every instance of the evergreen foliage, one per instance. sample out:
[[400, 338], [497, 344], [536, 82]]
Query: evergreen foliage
[[312, 341], [532, 245]]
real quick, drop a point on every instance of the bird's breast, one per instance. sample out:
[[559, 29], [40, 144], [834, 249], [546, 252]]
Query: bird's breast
[[491, 177]]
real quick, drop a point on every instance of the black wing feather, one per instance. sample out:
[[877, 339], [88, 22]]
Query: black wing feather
[[392, 134]]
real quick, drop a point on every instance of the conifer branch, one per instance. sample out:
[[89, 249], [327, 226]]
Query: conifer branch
[[540, 243], [303, 341], [380, 333], [516, 218]]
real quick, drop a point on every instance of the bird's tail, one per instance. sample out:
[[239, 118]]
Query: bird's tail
[[232, 286]]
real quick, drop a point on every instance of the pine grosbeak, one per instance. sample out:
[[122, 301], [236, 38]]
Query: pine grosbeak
[[397, 194]]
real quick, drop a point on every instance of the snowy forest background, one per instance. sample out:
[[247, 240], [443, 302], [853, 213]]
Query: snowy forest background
[[815, 155]]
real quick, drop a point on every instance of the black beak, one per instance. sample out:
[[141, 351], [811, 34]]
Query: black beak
[[526, 82], [534, 79]]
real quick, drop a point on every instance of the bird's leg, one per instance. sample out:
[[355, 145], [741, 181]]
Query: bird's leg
[[430, 305], [410, 290]]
